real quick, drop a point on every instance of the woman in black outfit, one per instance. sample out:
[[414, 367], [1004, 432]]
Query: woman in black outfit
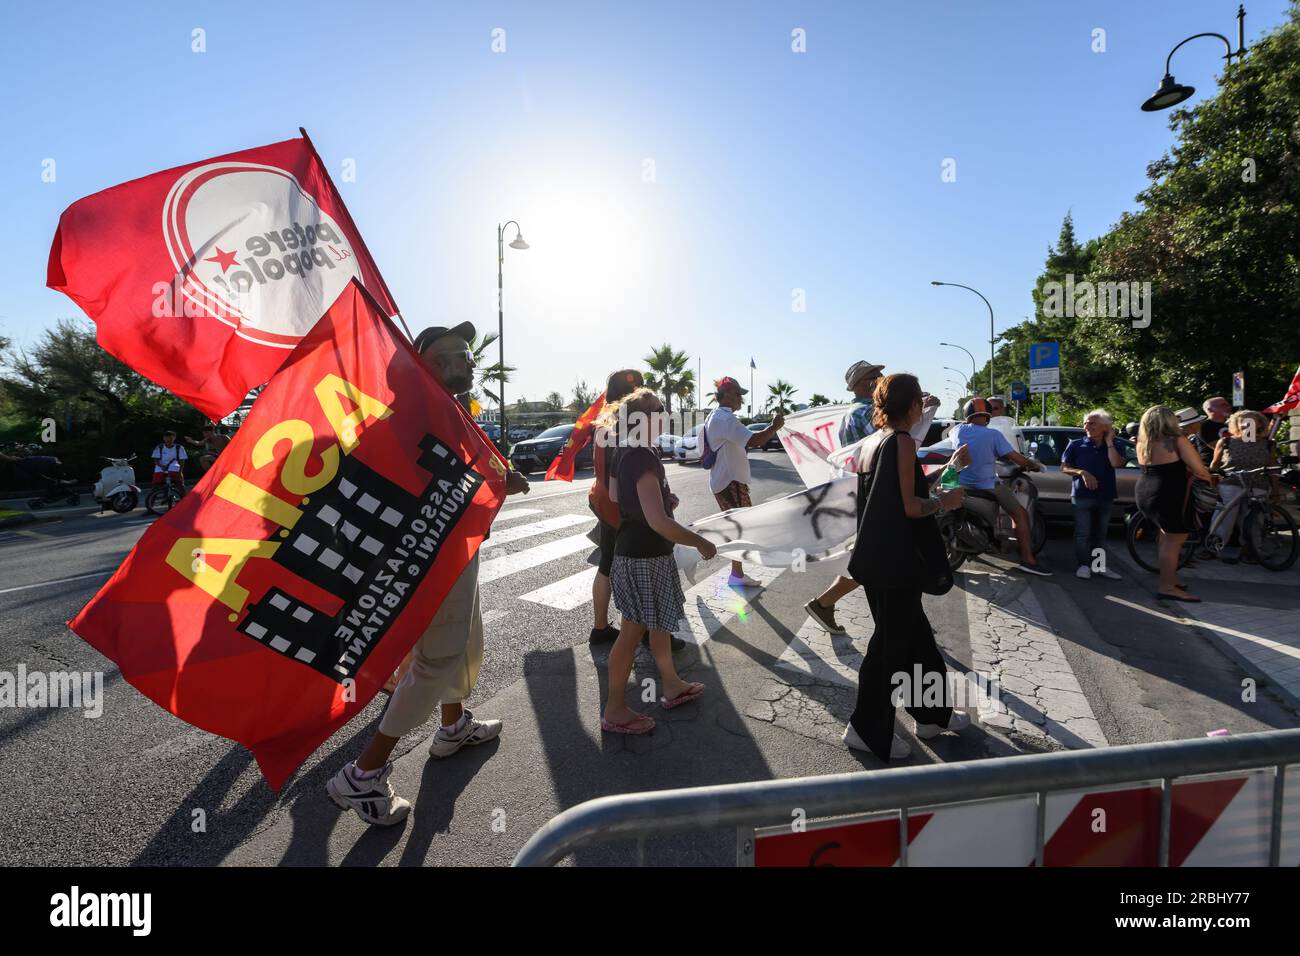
[[903, 637]]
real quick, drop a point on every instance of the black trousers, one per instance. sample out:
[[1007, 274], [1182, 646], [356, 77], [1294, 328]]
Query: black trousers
[[902, 640]]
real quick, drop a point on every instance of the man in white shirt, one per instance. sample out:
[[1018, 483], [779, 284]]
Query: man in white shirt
[[169, 458], [730, 441]]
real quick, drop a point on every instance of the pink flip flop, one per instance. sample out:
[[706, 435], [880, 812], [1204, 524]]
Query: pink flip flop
[[640, 724], [693, 690]]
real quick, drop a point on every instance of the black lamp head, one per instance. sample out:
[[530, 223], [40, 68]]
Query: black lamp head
[[1169, 94]]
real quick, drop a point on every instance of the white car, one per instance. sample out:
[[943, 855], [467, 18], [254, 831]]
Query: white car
[[667, 445], [688, 448]]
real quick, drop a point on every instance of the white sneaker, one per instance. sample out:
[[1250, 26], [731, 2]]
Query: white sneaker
[[1111, 575], [742, 581], [372, 799], [1084, 572], [471, 732], [960, 720], [898, 749]]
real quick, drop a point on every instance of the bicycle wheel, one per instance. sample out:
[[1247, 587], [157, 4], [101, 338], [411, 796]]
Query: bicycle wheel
[[158, 501], [1144, 543], [1270, 535]]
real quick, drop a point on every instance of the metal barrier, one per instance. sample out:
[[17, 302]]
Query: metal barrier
[[769, 802]]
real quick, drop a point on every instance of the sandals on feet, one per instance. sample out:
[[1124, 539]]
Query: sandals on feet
[[1189, 598], [640, 724], [692, 691]]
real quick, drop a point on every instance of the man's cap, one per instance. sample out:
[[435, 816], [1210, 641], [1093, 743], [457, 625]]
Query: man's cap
[[860, 370], [1188, 416], [726, 382], [622, 383], [434, 332], [976, 407]]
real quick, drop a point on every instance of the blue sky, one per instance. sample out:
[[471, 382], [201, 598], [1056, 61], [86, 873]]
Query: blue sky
[[773, 171]]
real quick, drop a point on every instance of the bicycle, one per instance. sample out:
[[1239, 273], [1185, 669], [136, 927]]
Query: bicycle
[[1268, 533], [161, 499]]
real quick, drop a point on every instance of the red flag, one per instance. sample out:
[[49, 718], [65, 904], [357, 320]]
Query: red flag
[[1290, 401], [273, 601], [562, 464], [203, 278]]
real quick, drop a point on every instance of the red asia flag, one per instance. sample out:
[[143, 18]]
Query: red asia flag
[[1290, 400], [273, 601], [203, 278], [562, 464]]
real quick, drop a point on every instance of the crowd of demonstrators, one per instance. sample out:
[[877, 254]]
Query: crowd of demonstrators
[[643, 574], [1090, 462], [1164, 492], [985, 447], [903, 641], [727, 441], [861, 378], [444, 663]]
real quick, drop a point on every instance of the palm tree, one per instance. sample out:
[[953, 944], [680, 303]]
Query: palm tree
[[489, 373], [667, 373], [780, 393], [818, 399]]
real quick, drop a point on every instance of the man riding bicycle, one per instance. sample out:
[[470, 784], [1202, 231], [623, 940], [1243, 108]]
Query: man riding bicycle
[[169, 459]]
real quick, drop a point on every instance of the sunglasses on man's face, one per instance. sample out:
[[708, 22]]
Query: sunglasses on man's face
[[465, 354]]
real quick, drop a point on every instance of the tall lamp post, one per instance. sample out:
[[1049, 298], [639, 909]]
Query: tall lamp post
[[973, 369], [501, 328], [992, 337], [1171, 93]]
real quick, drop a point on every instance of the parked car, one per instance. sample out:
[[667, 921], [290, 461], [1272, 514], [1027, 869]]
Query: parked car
[[1046, 444], [522, 433], [688, 448], [773, 443], [666, 445], [536, 454]]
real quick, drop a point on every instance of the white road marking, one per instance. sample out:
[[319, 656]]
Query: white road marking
[[46, 584], [566, 593], [534, 528], [832, 658], [516, 513], [712, 604], [509, 564]]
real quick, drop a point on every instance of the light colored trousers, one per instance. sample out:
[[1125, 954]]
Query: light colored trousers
[[445, 660]]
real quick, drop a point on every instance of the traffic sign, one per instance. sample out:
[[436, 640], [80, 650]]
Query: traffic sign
[[1019, 392], [1045, 355]]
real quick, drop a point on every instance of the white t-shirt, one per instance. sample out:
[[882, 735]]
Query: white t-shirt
[[729, 438], [168, 458]]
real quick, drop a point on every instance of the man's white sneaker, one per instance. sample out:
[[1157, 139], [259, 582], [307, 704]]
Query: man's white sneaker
[[1084, 572], [472, 732], [742, 581], [960, 720], [1111, 575], [898, 749], [373, 799]]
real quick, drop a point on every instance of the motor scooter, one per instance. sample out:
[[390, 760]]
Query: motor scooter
[[116, 488]]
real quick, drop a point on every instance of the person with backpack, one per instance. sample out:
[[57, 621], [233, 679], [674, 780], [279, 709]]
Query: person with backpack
[[725, 443]]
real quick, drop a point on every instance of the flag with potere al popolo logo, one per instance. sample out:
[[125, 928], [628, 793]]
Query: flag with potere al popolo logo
[[272, 602], [204, 278]]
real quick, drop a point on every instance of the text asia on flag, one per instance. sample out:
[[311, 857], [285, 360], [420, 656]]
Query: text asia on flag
[[204, 278], [273, 601]]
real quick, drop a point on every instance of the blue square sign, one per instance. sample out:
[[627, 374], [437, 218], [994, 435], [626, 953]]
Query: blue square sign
[[1045, 355]]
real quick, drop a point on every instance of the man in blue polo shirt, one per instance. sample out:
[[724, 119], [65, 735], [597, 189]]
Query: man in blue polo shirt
[[1091, 461], [986, 445]]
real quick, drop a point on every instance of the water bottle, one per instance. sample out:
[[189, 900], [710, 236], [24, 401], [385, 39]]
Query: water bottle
[[949, 479]]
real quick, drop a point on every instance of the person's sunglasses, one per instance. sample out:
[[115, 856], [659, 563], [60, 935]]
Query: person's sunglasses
[[466, 354]]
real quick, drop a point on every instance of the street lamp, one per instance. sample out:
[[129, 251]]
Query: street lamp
[[967, 351], [518, 243], [1171, 93], [992, 337]]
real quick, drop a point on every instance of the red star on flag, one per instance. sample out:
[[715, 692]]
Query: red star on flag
[[223, 259]]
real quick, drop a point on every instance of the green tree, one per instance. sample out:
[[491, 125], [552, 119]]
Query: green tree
[[818, 399], [780, 396], [668, 374], [583, 396], [554, 401]]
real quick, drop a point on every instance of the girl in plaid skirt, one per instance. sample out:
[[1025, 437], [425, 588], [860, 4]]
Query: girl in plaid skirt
[[644, 576]]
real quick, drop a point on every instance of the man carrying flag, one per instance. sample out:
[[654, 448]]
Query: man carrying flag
[[445, 661]]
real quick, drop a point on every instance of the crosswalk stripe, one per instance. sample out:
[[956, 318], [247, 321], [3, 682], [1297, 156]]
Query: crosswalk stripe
[[833, 658], [515, 513], [566, 593], [534, 528], [712, 604], [509, 564]]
